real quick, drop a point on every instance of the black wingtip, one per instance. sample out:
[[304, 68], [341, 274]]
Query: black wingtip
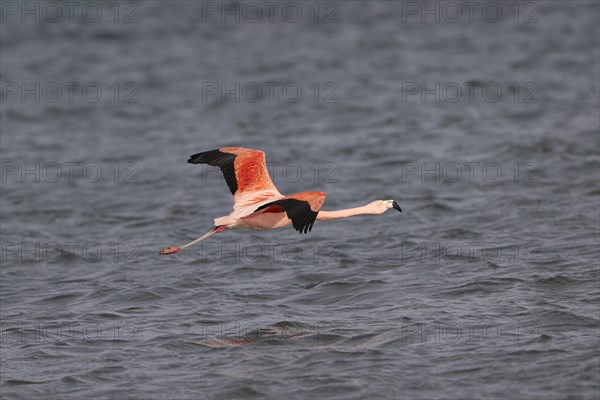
[[193, 159], [211, 157], [217, 158], [396, 206]]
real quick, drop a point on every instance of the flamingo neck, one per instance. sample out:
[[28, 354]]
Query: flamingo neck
[[348, 212]]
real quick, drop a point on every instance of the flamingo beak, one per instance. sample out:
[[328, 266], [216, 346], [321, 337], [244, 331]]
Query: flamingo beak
[[396, 206], [170, 250]]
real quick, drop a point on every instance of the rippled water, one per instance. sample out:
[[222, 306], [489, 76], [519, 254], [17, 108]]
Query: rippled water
[[486, 286]]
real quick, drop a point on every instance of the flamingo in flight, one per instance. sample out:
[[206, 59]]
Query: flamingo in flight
[[257, 202]]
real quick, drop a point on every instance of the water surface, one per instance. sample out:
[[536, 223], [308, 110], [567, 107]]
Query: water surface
[[486, 286]]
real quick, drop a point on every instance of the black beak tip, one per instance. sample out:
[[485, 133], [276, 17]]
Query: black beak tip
[[396, 206]]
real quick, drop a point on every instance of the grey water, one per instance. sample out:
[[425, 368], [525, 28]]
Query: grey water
[[482, 124]]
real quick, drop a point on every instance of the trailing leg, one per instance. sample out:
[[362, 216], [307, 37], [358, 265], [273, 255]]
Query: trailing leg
[[173, 250]]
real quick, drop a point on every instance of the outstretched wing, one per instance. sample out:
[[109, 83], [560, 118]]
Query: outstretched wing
[[245, 170], [301, 208]]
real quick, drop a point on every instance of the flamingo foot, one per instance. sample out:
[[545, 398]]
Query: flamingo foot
[[170, 250]]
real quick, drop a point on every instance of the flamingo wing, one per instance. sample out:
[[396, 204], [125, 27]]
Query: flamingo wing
[[245, 172], [301, 208]]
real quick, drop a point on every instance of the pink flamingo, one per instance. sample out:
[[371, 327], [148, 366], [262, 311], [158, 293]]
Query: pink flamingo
[[257, 202]]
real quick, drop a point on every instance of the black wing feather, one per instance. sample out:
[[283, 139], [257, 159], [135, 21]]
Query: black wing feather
[[299, 211], [217, 158]]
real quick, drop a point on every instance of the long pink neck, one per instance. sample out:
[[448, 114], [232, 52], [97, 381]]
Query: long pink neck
[[349, 212]]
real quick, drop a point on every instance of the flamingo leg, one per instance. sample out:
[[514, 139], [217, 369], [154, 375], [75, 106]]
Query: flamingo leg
[[173, 250]]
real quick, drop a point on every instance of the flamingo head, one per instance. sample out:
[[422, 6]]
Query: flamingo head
[[381, 206]]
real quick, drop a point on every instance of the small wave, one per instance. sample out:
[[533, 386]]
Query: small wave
[[483, 286], [60, 297], [435, 206], [71, 380], [563, 319], [19, 382], [555, 280]]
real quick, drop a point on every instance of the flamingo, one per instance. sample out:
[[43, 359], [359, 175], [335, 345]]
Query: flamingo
[[257, 202]]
